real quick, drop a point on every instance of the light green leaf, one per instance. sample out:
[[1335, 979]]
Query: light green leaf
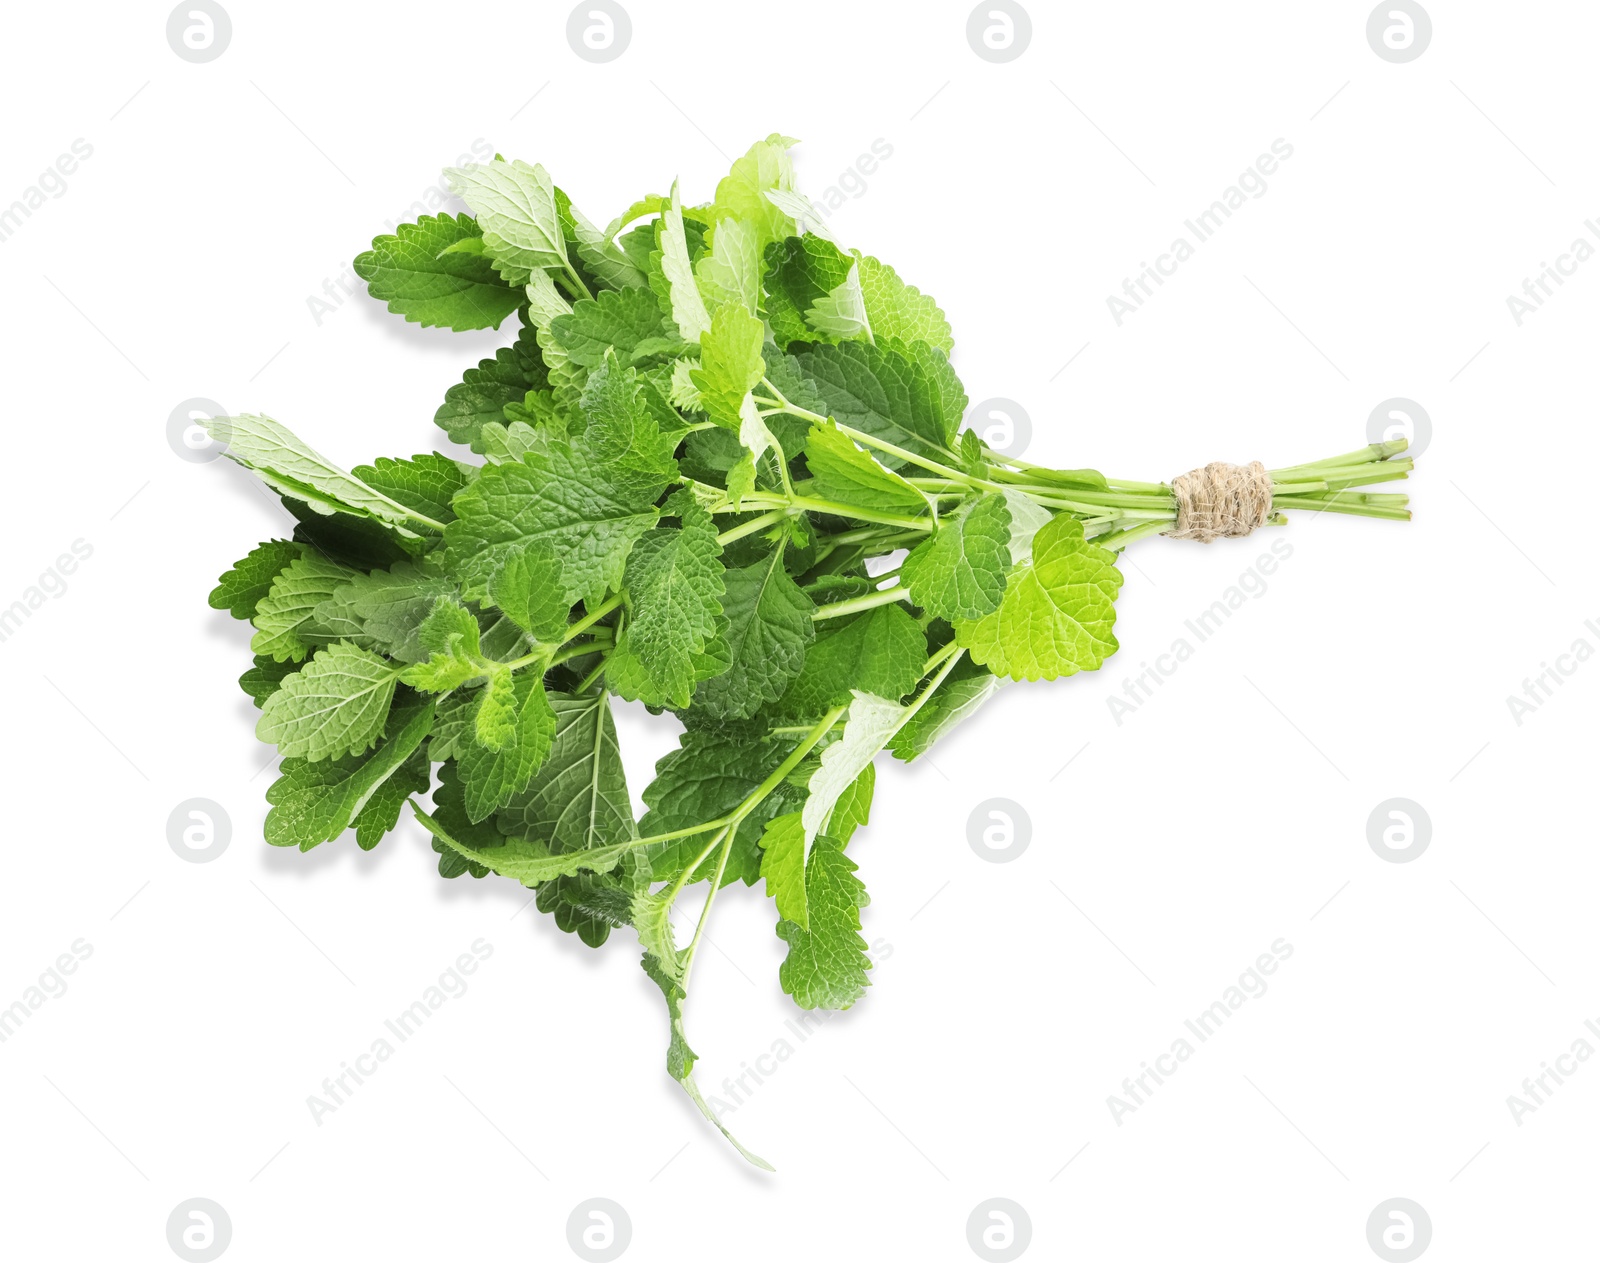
[[495, 723], [842, 311], [450, 635], [545, 304], [730, 364], [602, 256], [897, 310], [853, 808], [336, 704], [783, 866], [741, 194], [688, 308], [651, 914], [1026, 519], [527, 589], [286, 464], [807, 217], [1057, 614], [869, 725], [730, 270], [960, 570], [490, 778], [516, 208]]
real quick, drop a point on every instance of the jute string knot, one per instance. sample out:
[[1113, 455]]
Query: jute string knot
[[1220, 500]]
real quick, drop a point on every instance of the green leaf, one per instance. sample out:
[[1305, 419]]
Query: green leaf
[[613, 320], [569, 827], [314, 801], [651, 915], [624, 432], [769, 627], [495, 725], [706, 777], [905, 393], [287, 465], [842, 471], [527, 862], [263, 679], [741, 194], [842, 311], [783, 866], [853, 808], [730, 365], [673, 590], [881, 651], [897, 310], [386, 608], [827, 964], [680, 1057], [729, 273], [426, 483], [687, 307], [491, 778], [966, 688], [481, 396], [566, 498], [423, 279], [578, 800], [1026, 519], [800, 273], [336, 704], [450, 815], [527, 589], [451, 637], [1057, 613], [516, 209], [600, 254], [383, 807], [869, 725], [241, 588], [290, 603], [960, 570]]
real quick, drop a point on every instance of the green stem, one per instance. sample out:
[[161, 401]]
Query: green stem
[[731, 828], [834, 509], [770, 518], [873, 599], [587, 682]]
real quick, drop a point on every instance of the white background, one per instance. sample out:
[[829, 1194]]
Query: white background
[[1010, 999]]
